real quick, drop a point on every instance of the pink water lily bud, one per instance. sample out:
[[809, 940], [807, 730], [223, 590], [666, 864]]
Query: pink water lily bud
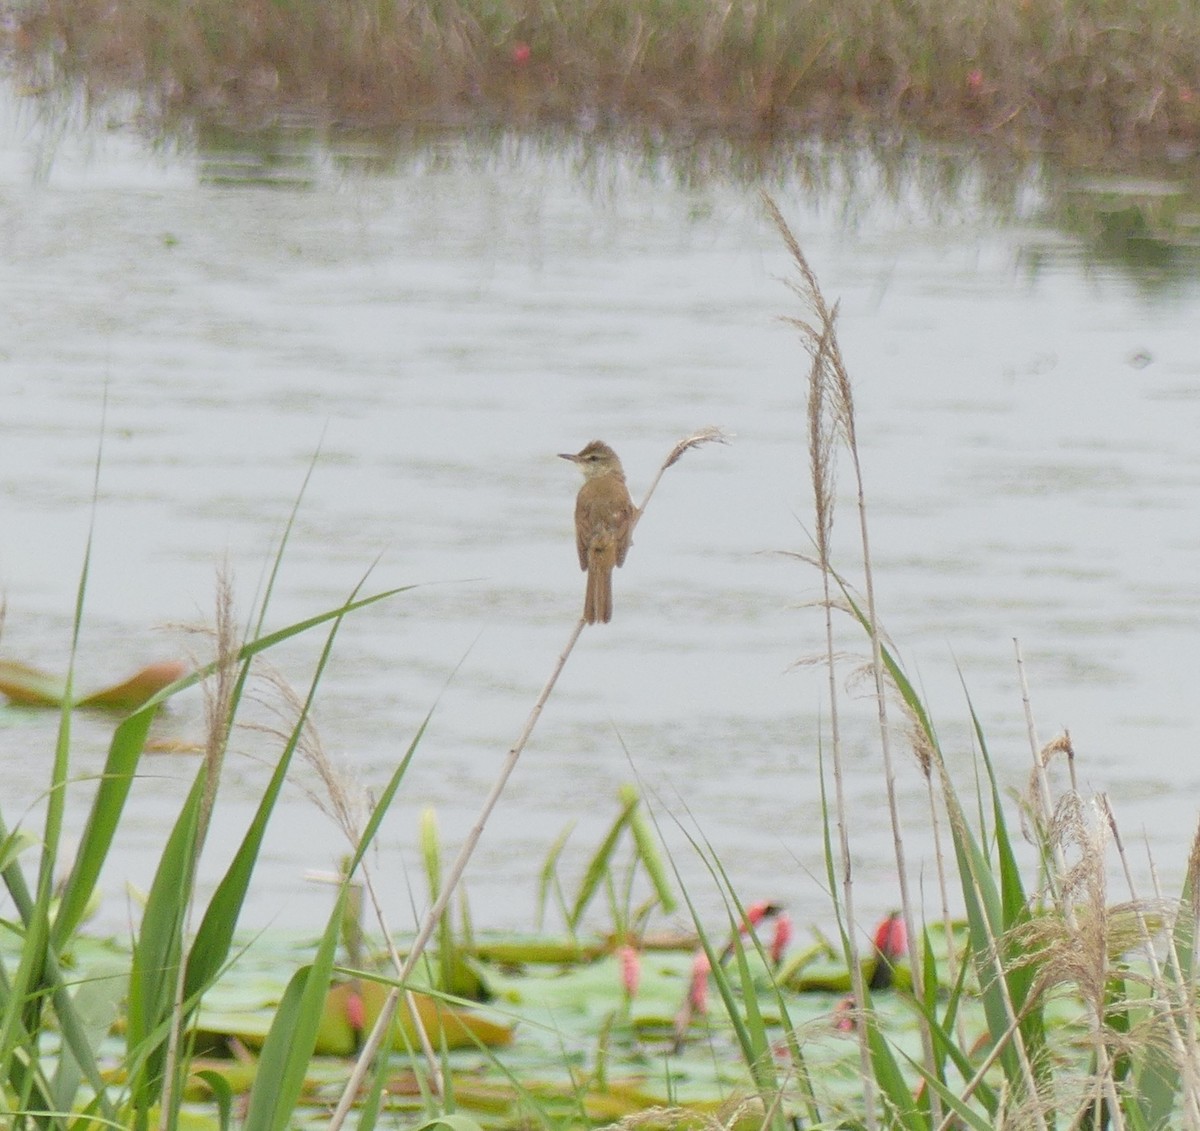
[[698, 991], [843, 1015], [891, 936], [781, 938], [631, 969], [355, 1012], [756, 913]]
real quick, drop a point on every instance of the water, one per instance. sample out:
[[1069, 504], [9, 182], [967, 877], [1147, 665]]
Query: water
[[434, 322]]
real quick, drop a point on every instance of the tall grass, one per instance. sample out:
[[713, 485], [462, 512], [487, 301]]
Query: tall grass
[[1093, 78], [172, 965], [1029, 941]]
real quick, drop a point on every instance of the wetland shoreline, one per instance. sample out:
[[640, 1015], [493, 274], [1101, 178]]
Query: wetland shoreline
[[1068, 76]]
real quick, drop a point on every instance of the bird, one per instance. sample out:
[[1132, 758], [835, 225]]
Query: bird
[[604, 520]]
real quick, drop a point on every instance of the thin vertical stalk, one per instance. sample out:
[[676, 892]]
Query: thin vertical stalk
[[433, 916], [819, 450], [1044, 796], [881, 700]]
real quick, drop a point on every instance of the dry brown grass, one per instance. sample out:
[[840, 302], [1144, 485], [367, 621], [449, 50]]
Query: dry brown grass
[[1088, 76]]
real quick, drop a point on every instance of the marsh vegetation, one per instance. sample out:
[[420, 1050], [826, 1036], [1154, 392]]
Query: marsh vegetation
[[1034, 997], [1095, 82]]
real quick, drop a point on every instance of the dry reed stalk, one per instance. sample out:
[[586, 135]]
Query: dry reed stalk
[[219, 694], [929, 758], [822, 432], [846, 409], [832, 417], [1013, 1031], [433, 916], [1043, 797], [1084, 949], [1181, 978], [1163, 992], [823, 428]]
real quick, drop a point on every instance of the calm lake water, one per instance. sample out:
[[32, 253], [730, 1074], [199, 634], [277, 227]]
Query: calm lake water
[[438, 318]]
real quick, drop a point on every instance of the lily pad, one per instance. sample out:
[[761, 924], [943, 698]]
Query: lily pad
[[27, 686]]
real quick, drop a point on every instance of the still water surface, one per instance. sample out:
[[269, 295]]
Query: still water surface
[[439, 324]]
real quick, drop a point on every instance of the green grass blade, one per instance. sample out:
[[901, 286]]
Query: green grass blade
[[21, 1022], [431, 852], [222, 1095], [368, 1112], [1014, 905], [124, 752], [97, 1003], [455, 1122], [158, 951], [285, 537], [548, 877], [600, 863], [967, 1115], [762, 1064], [283, 1063], [893, 1088], [263, 643], [74, 1032], [648, 851]]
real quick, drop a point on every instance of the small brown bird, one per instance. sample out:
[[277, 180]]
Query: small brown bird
[[604, 515]]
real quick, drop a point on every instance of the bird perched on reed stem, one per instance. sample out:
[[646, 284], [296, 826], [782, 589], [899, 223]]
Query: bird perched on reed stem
[[604, 516]]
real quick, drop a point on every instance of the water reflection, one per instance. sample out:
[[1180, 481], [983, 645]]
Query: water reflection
[[442, 314], [1150, 228]]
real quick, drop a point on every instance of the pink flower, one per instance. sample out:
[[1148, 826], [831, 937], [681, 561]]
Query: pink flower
[[975, 79], [631, 970], [843, 1015], [781, 938], [355, 1012], [521, 53], [756, 913], [891, 937]]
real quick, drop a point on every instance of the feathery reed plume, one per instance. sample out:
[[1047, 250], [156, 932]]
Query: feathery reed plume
[[219, 698], [822, 432], [830, 416], [709, 435], [1038, 807], [1165, 1001], [1042, 805], [454, 875], [345, 802], [341, 796], [1192, 882], [1077, 835]]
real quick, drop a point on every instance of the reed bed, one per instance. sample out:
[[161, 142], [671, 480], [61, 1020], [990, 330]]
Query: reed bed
[[1090, 78]]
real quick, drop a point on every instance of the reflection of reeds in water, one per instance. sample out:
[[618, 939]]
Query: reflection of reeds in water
[[1061, 68]]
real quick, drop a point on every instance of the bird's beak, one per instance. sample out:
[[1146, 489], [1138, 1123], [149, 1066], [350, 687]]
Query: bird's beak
[[568, 455]]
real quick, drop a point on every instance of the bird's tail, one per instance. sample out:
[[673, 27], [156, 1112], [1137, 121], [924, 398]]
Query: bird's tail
[[597, 603]]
